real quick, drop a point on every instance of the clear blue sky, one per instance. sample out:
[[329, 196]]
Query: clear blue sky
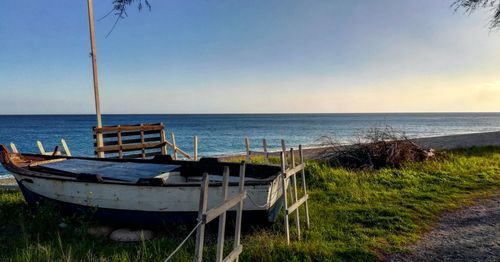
[[233, 56]]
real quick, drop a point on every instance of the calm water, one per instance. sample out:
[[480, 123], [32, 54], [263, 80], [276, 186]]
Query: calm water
[[220, 134]]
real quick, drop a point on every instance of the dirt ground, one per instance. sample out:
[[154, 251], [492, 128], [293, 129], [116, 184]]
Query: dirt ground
[[468, 234]]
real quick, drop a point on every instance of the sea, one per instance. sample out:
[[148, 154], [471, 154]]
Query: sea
[[220, 134]]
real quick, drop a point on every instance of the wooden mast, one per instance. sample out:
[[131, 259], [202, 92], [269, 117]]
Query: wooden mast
[[95, 78]]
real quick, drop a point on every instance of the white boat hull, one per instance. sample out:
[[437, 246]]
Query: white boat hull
[[161, 201]]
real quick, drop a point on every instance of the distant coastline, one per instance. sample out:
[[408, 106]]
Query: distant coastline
[[250, 113], [223, 134]]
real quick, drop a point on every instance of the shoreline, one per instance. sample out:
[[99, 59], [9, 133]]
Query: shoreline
[[315, 152], [437, 142]]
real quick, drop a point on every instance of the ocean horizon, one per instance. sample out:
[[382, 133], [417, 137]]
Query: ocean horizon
[[224, 133]]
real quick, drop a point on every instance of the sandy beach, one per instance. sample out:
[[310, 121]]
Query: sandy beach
[[458, 141], [438, 142]]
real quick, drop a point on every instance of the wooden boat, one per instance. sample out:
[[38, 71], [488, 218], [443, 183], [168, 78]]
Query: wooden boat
[[137, 191]]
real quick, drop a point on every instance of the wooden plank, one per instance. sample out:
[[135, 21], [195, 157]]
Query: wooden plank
[[146, 124], [120, 144], [200, 232], [195, 148], [239, 212], [186, 155], [131, 141], [142, 142], [65, 147], [295, 197], [266, 153], [130, 133], [140, 127], [247, 150], [55, 152], [222, 219], [14, 148], [95, 77], [174, 146], [283, 149], [289, 187], [297, 204], [218, 210], [131, 147], [304, 184], [40, 147], [99, 142], [292, 171], [233, 256], [283, 189], [164, 149], [177, 150]]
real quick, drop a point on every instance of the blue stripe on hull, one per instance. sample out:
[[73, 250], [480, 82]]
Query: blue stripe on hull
[[145, 218]]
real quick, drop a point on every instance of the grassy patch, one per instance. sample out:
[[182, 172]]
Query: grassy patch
[[355, 215]]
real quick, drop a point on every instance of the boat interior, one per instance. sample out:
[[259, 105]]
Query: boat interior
[[159, 170]]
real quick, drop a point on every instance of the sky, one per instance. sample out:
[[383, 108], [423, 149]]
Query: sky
[[249, 56]]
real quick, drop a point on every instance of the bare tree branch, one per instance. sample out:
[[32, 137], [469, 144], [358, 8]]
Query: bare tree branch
[[120, 10], [472, 5]]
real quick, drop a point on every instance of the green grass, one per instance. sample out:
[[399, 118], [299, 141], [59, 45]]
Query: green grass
[[355, 215]]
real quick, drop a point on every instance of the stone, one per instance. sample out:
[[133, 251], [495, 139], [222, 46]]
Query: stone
[[100, 231], [131, 235]]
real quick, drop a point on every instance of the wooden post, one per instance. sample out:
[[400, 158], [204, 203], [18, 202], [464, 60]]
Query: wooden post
[[40, 147], [200, 232], [14, 148], [222, 218], [99, 138], [65, 147], [304, 185], [247, 149], [220, 211], [164, 148], [295, 197], [283, 148], [56, 152], [143, 151], [285, 202], [120, 143], [195, 148], [266, 154], [174, 146], [239, 211]]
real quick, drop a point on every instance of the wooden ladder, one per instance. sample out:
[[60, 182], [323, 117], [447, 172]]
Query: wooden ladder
[[205, 216], [289, 175]]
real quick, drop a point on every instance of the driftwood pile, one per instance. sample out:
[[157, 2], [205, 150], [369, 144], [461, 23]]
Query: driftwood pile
[[377, 148]]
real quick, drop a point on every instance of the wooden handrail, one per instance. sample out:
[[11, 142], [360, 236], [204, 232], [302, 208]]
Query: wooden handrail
[[217, 211], [129, 128], [130, 147]]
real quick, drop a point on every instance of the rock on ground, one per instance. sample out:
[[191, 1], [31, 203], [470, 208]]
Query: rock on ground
[[131, 235]]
